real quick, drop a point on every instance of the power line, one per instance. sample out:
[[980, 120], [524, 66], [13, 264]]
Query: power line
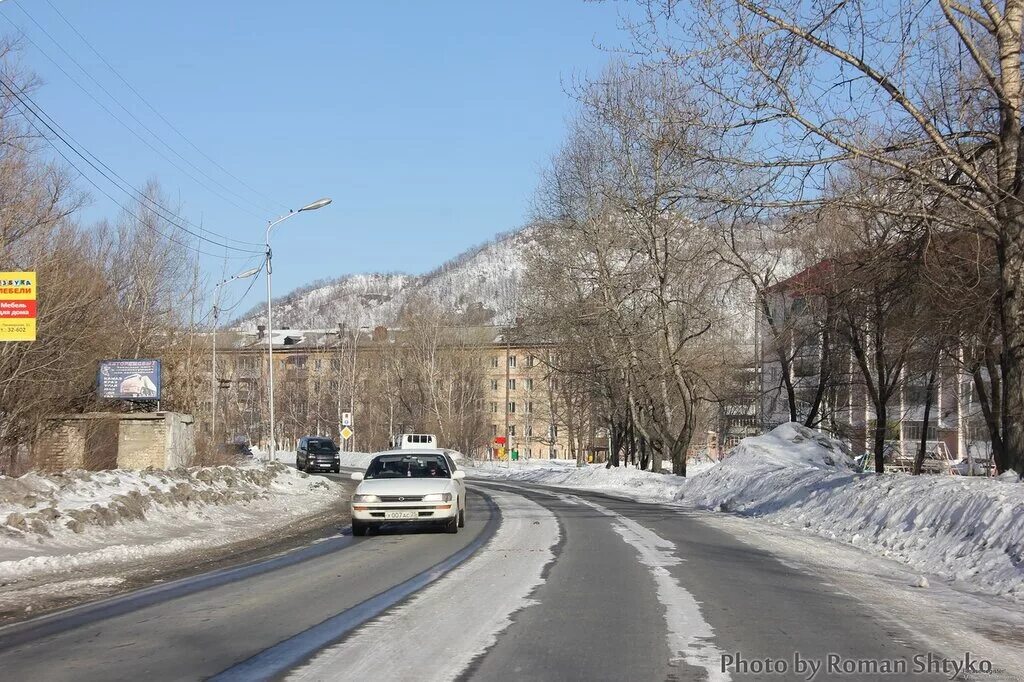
[[241, 298], [30, 105], [125, 186], [128, 111], [157, 112], [125, 125], [70, 162]]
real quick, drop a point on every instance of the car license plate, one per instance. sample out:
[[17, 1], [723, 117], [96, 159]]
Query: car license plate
[[400, 515]]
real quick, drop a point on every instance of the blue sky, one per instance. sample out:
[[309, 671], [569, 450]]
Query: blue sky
[[426, 122]]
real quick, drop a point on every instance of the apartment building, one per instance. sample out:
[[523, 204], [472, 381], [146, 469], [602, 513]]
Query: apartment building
[[470, 383], [522, 402], [955, 429]]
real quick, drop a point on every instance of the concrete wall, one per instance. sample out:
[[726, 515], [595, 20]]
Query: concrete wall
[[180, 440], [106, 440]]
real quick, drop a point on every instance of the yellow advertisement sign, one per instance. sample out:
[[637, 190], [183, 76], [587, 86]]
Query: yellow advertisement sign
[[18, 306]]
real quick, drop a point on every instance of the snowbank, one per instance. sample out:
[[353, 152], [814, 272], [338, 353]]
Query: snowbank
[[968, 529], [77, 519], [962, 528], [642, 486]]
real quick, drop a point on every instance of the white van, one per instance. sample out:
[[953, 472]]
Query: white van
[[405, 441]]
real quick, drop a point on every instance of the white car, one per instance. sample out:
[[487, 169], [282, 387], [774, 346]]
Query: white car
[[402, 486]]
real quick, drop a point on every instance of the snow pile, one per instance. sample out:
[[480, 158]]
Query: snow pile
[[642, 486], [969, 529], [357, 460], [76, 519]]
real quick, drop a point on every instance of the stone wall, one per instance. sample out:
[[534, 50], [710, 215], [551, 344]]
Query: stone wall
[[107, 440]]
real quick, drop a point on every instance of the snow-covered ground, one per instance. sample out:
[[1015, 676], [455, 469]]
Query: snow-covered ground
[[968, 530], [624, 481], [79, 530]]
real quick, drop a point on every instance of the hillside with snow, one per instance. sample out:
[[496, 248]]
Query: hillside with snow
[[482, 285]]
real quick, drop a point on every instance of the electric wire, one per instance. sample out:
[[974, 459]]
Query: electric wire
[[121, 121], [163, 118], [58, 131], [70, 162]]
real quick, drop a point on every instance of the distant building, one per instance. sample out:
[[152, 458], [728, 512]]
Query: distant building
[[321, 373], [955, 427]]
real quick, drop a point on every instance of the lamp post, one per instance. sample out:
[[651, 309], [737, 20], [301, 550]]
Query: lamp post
[[272, 444], [213, 361]]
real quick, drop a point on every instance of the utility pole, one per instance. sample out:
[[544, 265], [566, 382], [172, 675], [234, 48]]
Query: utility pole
[[272, 445], [508, 403]]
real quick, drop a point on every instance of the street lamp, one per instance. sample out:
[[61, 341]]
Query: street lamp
[[213, 369], [320, 203]]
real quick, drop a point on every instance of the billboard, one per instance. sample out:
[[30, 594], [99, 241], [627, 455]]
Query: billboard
[[129, 379], [17, 306]]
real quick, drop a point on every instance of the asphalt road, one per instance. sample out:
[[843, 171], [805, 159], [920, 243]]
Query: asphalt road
[[628, 592]]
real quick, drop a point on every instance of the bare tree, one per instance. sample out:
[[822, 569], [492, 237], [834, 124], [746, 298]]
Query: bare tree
[[928, 91]]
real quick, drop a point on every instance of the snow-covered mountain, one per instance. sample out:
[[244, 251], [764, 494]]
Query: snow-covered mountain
[[482, 285]]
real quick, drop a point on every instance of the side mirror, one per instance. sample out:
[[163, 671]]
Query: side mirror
[[458, 474], [357, 475]]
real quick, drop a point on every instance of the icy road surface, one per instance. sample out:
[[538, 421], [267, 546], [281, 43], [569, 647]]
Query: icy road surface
[[542, 584]]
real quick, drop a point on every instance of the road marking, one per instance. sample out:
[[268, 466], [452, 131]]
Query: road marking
[[437, 634], [689, 636], [60, 621]]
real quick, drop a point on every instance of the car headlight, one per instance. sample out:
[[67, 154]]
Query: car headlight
[[365, 498], [438, 497]]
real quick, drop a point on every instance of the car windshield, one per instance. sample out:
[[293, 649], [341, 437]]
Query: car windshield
[[322, 447], [408, 466]]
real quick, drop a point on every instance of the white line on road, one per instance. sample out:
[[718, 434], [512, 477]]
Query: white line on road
[[438, 633], [690, 637]]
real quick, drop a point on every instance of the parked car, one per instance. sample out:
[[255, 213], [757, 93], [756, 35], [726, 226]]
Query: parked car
[[234, 450], [403, 486], [317, 454]]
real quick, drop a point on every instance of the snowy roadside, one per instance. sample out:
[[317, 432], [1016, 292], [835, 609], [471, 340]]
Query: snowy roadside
[[80, 533], [968, 531], [355, 460]]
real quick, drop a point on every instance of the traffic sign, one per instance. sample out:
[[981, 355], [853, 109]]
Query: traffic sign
[[346, 419], [346, 433]]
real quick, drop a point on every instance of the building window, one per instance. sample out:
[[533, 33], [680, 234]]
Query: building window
[[529, 407], [913, 431], [316, 385], [335, 364], [494, 429], [512, 407], [512, 430], [333, 385], [528, 430], [511, 384], [529, 384], [317, 364], [530, 361], [494, 407], [494, 361], [512, 362], [494, 384]]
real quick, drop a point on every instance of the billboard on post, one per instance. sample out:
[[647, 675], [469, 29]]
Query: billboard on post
[[129, 379], [17, 306]]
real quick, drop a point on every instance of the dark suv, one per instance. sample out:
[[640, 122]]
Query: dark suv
[[317, 454]]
